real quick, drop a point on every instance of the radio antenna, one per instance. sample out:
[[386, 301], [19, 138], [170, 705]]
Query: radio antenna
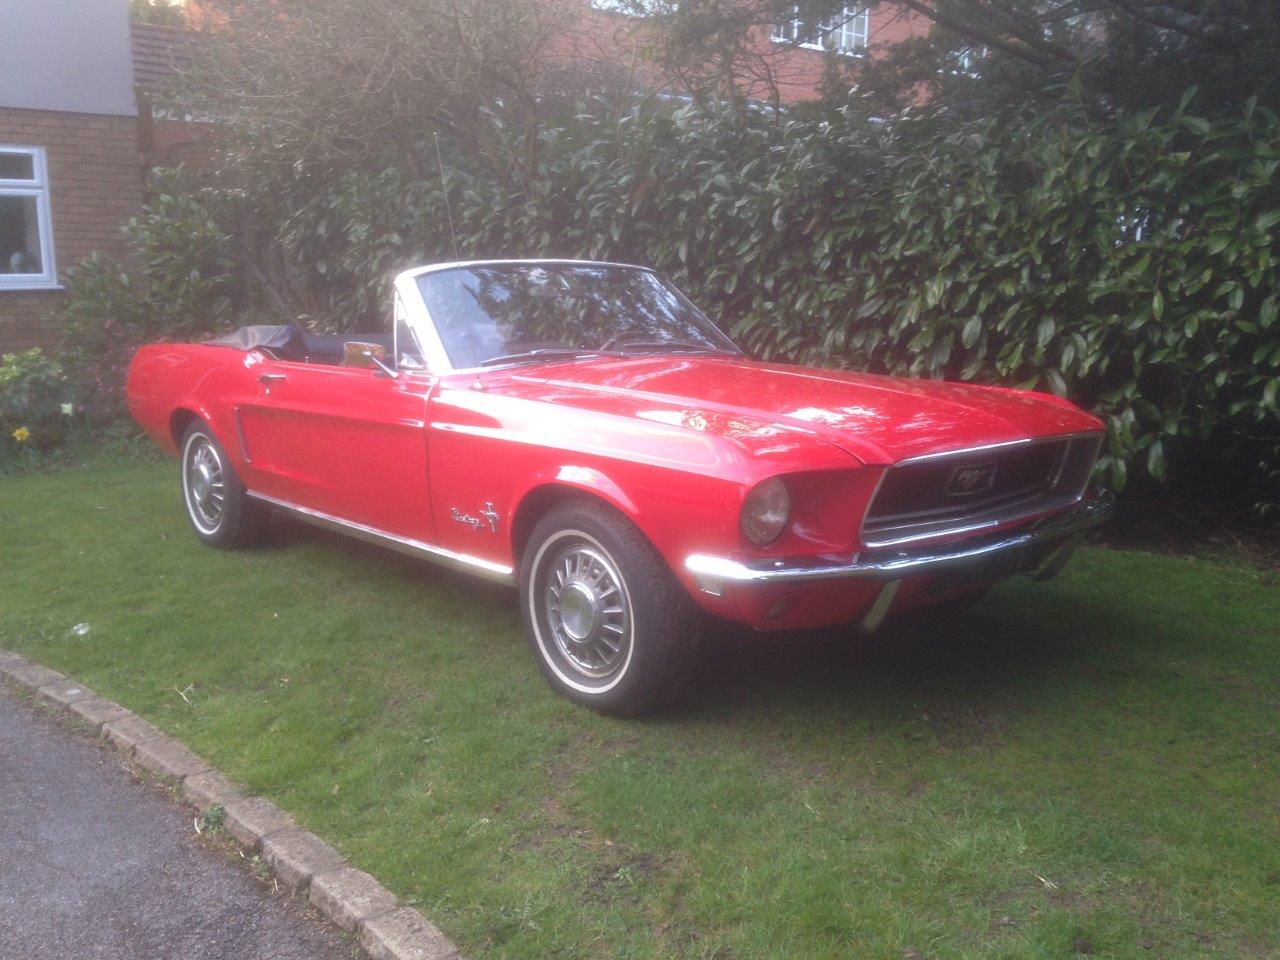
[[444, 188]]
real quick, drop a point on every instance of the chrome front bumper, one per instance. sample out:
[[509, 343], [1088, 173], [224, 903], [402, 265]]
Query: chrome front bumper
[[714, 573]]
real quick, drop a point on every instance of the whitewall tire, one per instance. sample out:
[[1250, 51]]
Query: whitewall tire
[[219, 508], [609, 625]]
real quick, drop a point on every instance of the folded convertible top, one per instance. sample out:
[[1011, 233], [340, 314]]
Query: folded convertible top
[[284, 339]]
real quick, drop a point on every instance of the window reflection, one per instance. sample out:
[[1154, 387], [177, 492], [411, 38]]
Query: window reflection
[[488, 311], [19, 235]]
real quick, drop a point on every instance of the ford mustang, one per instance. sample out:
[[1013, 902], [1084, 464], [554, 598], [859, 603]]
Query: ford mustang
[[582, 432]]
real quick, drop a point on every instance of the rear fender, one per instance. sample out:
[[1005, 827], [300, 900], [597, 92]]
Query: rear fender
[[170, 383], [224, 428]]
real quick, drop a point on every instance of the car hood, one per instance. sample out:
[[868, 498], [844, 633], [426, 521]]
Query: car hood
[[878, 419]]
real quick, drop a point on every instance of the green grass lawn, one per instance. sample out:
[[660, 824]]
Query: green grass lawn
[[1090, 765]]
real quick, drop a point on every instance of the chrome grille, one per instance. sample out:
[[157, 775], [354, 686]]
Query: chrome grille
[[968, 490]]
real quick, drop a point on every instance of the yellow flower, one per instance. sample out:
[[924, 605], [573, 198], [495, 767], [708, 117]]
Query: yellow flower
[[22, 434]]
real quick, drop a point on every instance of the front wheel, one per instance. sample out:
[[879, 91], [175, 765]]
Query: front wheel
[[609, 625], [218, 506]]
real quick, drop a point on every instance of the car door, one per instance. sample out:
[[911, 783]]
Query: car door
[[348, 442]]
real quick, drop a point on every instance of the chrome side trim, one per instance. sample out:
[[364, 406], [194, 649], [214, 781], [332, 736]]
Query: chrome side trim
[[892, 565], [497, 572]]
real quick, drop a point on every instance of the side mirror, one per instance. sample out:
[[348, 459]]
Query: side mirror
[[382, 368]]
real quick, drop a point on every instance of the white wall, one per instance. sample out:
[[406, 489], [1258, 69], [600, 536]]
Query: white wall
[[71, 55]]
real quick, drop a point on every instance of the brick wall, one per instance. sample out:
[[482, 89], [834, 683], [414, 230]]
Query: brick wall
[[95, 185], [618, 42], [798, 71]]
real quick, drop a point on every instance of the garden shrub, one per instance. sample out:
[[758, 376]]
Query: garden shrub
[[176, 287], [44, 424], [1131, 263], [36, 404]]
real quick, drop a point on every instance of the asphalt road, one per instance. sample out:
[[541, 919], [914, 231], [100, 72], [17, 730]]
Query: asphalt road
[[97, 866]]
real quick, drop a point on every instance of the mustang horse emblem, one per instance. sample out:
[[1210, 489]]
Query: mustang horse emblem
[[970, 479]]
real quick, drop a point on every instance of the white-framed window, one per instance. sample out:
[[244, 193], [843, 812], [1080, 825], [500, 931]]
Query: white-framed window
[[846, 31], [966, 62], [26, 226]]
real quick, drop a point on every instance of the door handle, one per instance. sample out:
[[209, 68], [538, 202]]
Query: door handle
[[271, 378]]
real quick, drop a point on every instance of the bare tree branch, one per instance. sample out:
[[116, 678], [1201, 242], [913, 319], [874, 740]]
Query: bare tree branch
[[1147, 14]]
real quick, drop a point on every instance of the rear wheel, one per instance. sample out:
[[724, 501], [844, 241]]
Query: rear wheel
[[218, 506], [609, 625]]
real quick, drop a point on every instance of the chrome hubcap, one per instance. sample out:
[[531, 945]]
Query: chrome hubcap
[[588, 611], [205, 483], [579, 611]]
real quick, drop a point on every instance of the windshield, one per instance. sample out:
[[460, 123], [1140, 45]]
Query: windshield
[[509, 312]]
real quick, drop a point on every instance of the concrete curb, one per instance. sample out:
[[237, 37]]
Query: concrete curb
[[347, 897]]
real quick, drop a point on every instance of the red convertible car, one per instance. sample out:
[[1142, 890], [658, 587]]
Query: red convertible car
[[581, 431]]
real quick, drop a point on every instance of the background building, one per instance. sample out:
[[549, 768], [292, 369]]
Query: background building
[[79, 126], [782, 62], [69, 164]]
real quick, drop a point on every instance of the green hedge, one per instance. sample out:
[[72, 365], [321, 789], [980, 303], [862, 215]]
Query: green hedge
[[1130, 264], [176, 286]]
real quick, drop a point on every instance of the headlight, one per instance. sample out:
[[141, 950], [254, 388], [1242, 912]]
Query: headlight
[[765, 512]]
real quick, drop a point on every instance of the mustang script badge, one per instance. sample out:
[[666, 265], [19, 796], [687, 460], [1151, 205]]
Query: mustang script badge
[[970, 479], [475, 523]]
